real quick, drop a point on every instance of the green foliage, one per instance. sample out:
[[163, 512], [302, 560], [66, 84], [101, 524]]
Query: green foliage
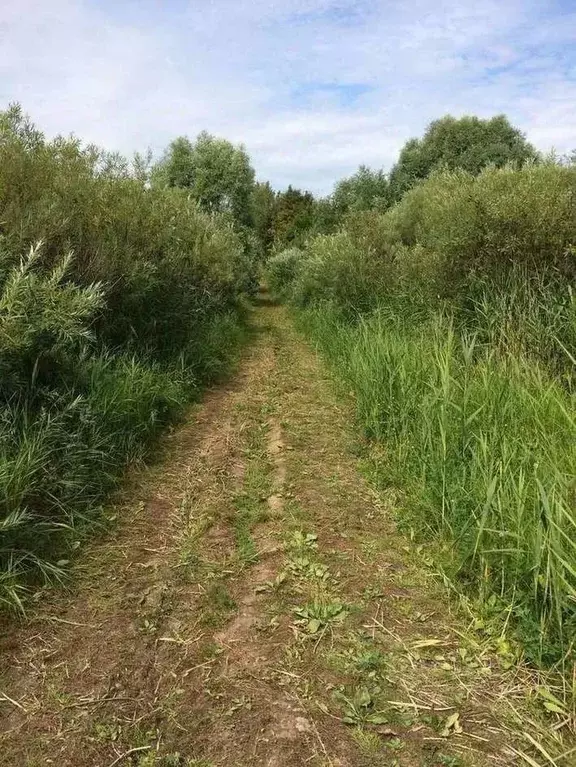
[[365, 190], [497, 246], [177, 167], [468, 143], [293, 218], [484, 446], [453, 319], [338, 270], [487, 223], [42, 320], [217, 174], [282, 269], [263, 212], [99, 348]]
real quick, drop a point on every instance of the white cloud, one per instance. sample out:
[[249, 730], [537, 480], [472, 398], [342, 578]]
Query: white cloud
[[127, 75]]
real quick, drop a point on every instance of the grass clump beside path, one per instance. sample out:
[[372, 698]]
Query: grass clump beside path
[[451, 318], [483, 448]]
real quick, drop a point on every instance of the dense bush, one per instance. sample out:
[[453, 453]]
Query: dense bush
[[365, 190], [282, 270], [116, 302], [486, 224], [497, 247]]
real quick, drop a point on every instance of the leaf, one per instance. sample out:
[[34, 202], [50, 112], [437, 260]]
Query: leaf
[[549, 706], [363, 698], [313, 625], [379, 719], [426, 643], [551, 702], [349, 720], [452, 725]]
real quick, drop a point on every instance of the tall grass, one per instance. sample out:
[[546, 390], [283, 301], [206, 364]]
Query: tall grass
[[452, 317], [117, 302], [485, 447]]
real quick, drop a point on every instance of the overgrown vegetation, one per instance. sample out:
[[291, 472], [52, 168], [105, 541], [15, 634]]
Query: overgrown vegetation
[[452, 317], [442, 294], [117, 301]]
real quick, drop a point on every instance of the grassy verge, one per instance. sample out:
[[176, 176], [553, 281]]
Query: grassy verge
[[60, 460], [118, 302], [483, 447]]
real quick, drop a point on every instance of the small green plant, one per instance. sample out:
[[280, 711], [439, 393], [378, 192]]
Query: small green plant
[[361, 708], [300, 541], [369, 660], [368, 741], [217, 604], [304, 567], [319, 614], [449, 761]]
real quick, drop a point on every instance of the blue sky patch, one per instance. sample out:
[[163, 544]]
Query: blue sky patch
[[313, 88]]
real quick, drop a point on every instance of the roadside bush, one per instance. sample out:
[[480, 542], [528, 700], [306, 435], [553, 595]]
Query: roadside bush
[[488, 224], [282, 269], [339, 270], [116, 303]]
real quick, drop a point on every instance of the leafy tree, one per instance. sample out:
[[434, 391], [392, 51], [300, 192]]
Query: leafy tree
[[217, 173], [294, 216], [326, 216], [364, 190], [142, 166], [176, 168], [469, 143]]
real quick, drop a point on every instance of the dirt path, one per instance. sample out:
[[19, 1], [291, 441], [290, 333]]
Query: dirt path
[[255, 606]]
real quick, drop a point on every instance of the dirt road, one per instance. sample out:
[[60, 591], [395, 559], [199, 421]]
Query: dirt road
[[255, 605]]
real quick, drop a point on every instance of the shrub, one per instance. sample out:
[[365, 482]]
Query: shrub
[[340, 270], [461, 354], [488, 224], [282, 270], [100, 348]]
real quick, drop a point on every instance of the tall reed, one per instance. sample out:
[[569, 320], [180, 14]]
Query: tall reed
[[484, 444]]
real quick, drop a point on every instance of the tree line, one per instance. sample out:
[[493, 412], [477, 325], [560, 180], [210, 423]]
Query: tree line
[[221, 178]]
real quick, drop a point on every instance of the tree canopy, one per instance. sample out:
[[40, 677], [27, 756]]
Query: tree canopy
[[364, 190], [218, 174], [469, 143]]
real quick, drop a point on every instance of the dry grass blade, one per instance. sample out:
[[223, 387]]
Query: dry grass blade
[[15, 703], [128, 753]]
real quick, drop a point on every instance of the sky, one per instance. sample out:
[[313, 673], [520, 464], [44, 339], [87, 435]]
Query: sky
[[312, 88]]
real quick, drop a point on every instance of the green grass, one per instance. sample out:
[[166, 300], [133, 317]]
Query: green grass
[[452, 319], [217, 604], [484, 446]]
